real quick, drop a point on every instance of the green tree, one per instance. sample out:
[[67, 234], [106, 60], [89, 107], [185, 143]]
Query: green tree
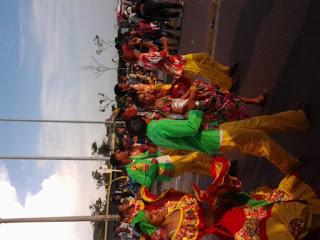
[[94, 148], [98, 208], [102, 149], [102, 179]]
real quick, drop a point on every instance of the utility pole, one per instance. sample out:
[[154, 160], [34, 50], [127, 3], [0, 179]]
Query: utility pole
[[61, 158], [93, 218], [25, 120], [106, 122]]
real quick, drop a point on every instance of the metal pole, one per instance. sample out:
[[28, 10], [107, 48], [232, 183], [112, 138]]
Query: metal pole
[[59, 121], [107, 207], [54, 158], [108, 201], [93, 218]]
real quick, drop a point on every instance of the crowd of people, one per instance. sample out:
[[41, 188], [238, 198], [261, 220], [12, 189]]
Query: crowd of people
[[185, 122]]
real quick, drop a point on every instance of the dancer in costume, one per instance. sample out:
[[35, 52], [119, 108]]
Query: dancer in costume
[[248, 136], [191, 64], [172, 215], [290, 211], [218, 105], [147, 167]]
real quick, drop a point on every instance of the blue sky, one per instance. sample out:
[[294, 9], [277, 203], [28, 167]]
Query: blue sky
[[43, 48], [20, 93]]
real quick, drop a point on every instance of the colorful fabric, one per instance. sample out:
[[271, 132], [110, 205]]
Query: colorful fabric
[[149, 197], [144, 172], [222, 105], [184, 134], [190, 224], [202, 64], [190, 221], [155, 60], [158, 89], [219, 170], [216, 194], [141, 221], [219, 105], [135, 207], [253, 224], [289, 216], [180, 86], [144, 27]]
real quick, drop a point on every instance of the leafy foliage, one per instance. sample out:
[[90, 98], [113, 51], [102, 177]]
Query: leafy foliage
[[98, 208], [102, 179], [103, 149]]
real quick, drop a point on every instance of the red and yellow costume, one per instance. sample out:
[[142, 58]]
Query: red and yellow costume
[[190, 222], [191, 64], [287, 212]]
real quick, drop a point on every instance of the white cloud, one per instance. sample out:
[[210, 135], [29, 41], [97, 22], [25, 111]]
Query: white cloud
[[58, 196], [63, 30]]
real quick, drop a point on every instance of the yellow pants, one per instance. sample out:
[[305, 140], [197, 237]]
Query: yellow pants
[[194, 162], [250, 136], [202, 64]]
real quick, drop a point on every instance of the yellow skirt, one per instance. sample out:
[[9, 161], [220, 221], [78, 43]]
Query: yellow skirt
[[293, 219]]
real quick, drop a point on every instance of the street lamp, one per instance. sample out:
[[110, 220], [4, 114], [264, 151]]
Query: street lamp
[[110, 170]]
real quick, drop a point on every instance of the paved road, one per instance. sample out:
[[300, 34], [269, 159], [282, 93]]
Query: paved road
[[276, 44], [195, 26]]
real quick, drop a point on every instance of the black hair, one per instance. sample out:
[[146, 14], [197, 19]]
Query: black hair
[[118, 45], [137, 126], [134, 96], [118, 90], [119, 116], [114, 161]]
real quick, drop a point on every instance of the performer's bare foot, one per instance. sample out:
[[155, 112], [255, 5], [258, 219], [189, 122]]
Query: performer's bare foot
[[260, 100], [303, 107]]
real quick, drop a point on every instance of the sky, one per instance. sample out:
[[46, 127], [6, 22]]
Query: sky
[[44, 46]]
